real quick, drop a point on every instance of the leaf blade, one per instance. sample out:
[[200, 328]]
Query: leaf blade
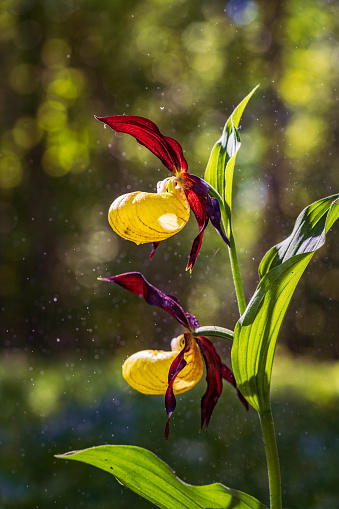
[[256, 332], [147, 475], [224, 152]]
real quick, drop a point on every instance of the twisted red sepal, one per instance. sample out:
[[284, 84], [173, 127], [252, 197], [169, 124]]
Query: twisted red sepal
[[213, 379], [216, 371], [135, 283], [147, 133], [177, 365], [205, 208], [229, 377]]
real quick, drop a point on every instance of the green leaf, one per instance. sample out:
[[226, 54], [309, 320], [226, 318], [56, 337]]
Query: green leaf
[[220, 167], [147, 475], [223, 151], [256, 332]]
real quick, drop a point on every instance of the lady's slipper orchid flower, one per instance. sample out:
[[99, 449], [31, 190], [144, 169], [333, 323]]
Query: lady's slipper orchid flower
[[149, 217], [170, 373]]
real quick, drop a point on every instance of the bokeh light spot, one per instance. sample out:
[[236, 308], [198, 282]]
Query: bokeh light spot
[[24, 78], [167, 68], [26, 132], [242, 12], [11, 171], [52, 116], [152, 40], [55, 53], [304, 134], [67, 84]]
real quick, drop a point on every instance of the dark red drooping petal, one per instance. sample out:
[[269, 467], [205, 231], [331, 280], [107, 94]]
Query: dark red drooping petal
[[196, 193], [205, 208], [198, 205], [195, 250], [177, 365], [229, 377], [147, 133], [213, 378], [135, 283], [216, 371]]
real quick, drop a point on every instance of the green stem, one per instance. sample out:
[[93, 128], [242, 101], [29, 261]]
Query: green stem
[[214, 330], [272, 458], [232, 251], [236, 275]]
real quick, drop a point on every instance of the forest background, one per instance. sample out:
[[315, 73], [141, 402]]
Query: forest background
[[185, 64]]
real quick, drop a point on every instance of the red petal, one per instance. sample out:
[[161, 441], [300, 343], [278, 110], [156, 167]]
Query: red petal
[[155, 245], [213, 378], [228, 375], [205, 208], [147, 133], [135, 283], [216, 371], [195, 250], [198, 205], [177, 365], [196, 197]]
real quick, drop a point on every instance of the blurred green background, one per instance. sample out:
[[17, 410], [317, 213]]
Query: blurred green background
[[185, 64]]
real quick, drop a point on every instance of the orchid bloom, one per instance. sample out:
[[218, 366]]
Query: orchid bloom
[[152, 217], [177, 371]]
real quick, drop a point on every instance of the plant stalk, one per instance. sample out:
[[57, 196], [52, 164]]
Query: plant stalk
[[272, 458], [236, 275], [214, 331], [232, 251]]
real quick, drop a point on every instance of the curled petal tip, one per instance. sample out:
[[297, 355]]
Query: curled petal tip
[[189, 267], [155, 245]]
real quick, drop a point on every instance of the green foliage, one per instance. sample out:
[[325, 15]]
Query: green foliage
[[61, 406], [143, 472], [184, 69], [220, 166], [257, 330]]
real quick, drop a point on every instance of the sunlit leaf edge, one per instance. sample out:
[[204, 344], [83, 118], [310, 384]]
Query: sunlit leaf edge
[[147, 475], [225, 149], [257, 330], [295, 243]]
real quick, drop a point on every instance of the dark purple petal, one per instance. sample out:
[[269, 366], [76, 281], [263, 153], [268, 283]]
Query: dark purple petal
[[135, 283], [213, 378], [177, 365], [214, 214], [196, 193], [229, 377], [205, 208], [197, 184], [147, 133]]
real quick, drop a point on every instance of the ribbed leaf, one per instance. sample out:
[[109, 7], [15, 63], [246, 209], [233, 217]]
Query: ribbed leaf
[[147, 475], [256, 332], [219, 170]]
